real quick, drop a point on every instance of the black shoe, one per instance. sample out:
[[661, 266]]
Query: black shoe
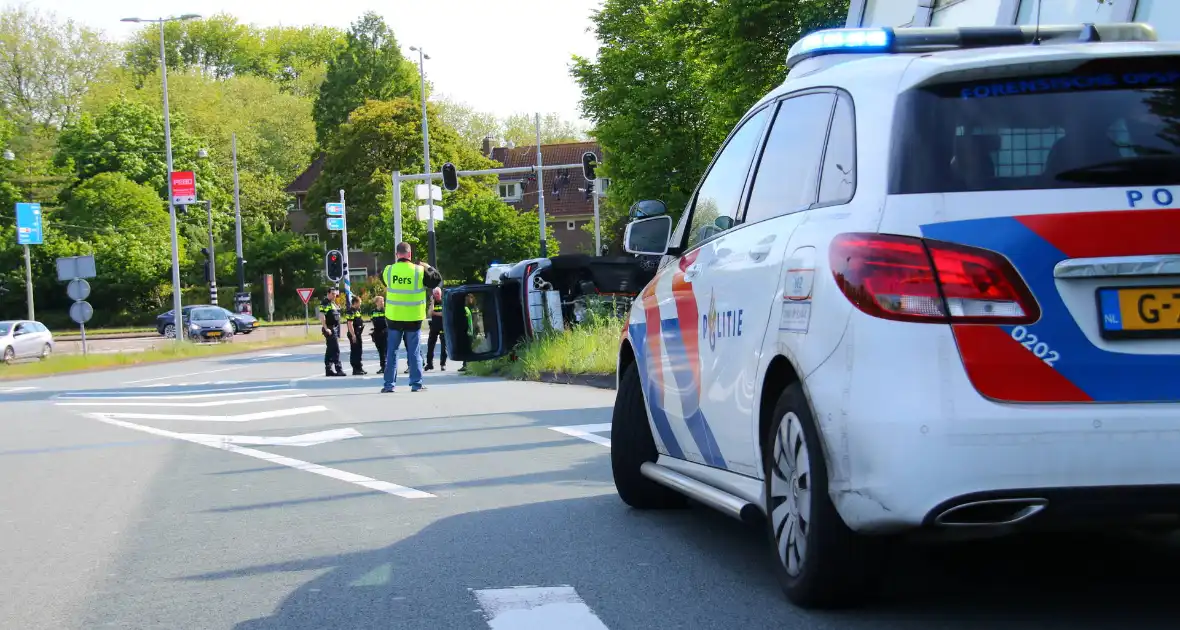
[[381, 371], [428, 368], [442, 368], [339, 372], [464, 368], [359, 372], [335, 373]]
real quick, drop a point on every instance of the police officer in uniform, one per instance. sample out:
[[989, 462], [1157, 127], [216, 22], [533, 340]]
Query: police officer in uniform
[[354, 318], [406, 286], [330, 327], [379, 334], [436, 333]]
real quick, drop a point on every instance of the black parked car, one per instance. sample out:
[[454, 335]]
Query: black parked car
[[243, 324]]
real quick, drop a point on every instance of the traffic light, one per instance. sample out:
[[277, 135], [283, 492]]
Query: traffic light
[[207, 266], [334, 262], [450, 177], [589, 166]]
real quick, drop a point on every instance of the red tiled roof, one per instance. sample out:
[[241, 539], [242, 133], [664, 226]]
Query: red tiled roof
[[562, 197], [305, 179]]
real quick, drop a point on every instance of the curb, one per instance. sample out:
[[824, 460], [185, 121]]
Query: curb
[[601, 381]]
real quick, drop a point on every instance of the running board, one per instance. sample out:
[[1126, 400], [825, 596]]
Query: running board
[[719, 500]]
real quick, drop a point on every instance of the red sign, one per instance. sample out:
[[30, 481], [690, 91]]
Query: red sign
[[184, 188], [305, 294]]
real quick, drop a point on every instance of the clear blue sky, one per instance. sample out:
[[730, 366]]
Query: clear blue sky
[[502, 56]]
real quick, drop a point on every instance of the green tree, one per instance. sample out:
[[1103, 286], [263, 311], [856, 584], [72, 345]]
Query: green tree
[[522, 130], [371, 67], [129, 237], [380, 137], [748, 42], [46, 66], [646, 95], [293, 261], [220, 47], [670, 80], [473, 126]]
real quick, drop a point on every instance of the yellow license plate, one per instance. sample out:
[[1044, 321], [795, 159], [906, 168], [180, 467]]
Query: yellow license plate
[[1140, 312], [214, 334]]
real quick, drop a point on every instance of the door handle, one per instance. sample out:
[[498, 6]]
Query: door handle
[[760, 252], [692, 271]]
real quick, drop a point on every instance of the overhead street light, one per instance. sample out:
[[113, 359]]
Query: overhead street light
[[430, 238], [168, 150]]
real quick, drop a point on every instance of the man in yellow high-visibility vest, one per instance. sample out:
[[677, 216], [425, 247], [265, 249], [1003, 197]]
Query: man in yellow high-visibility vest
[[406, 284]]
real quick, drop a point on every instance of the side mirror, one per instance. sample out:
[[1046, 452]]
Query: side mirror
[[648, 208], [648, 236]]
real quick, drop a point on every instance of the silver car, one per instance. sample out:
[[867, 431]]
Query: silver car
[[22, 339]]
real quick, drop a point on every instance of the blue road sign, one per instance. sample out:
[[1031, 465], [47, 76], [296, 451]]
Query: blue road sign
[[335, 224], [334, 209], [28, 224]]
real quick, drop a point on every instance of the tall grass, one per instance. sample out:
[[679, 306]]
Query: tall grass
[[58, 364], [589, 348]]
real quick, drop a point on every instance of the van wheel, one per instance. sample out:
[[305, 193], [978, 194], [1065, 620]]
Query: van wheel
[[632, 446], [818, 560]]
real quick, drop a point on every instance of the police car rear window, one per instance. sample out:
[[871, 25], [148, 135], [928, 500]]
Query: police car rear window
[[1108, 122]]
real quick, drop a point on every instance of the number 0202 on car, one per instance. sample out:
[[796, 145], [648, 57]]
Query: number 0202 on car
[[1139, 312]]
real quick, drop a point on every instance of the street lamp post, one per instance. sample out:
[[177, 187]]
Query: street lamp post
[[430, 240], [176, 313]]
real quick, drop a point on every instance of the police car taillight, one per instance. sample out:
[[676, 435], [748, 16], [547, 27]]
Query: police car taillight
[[911, 279]]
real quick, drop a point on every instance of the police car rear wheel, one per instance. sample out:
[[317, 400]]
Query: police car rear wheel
[[632, 445], [818, 560]]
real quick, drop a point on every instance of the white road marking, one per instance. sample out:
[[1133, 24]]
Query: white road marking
[[274, 355], [307, 439], [360, 480], [12, 390], [164, 378], [246, 417], [196, 393], [537, 608], [157, 403], [586, 432]]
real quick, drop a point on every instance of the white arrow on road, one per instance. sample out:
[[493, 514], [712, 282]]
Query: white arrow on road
[[307, 439], [156, 403], [586, 432], [246, 417], [297, 464]]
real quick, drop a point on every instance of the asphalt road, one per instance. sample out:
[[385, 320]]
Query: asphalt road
[[251, 493]]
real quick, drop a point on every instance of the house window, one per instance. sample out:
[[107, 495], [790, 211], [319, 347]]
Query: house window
[[571, 225], [510, 191], [314, 238], [357, 276]]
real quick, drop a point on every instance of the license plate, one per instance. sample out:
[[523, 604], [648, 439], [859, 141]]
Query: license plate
[[214, 334], [1139, 312]]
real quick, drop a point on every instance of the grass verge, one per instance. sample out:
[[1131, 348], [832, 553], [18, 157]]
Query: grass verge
[[62, 364], [588, 349]]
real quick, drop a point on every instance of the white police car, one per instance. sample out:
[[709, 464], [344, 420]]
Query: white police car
[[932, 282]]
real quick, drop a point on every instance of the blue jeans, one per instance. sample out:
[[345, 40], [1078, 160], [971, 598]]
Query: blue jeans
[[413, 355]]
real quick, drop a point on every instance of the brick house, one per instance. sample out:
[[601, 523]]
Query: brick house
[[361, 264], [568, 204]]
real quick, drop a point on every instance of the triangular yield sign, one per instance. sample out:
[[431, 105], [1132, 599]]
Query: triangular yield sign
[[305, 294]]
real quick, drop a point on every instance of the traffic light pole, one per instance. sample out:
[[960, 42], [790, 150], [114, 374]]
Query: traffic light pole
[[212, 257], [344, 247]]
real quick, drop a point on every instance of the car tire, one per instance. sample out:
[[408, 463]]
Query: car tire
[[9, 356], [46, 351], [632, 446], [819, 562], [169, 331]]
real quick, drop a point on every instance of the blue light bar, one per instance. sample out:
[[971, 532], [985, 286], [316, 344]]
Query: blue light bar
[[844, 40]]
